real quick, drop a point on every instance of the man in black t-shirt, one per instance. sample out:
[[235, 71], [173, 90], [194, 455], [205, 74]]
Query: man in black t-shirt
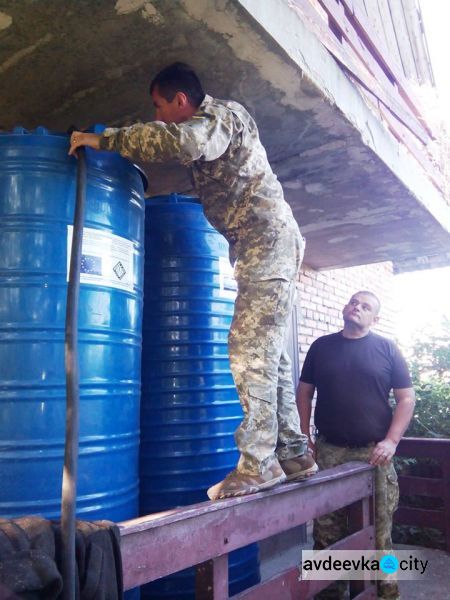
[[354, 371]]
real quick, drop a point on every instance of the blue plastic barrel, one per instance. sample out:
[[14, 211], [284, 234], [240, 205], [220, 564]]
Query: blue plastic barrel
[[190, 407], [37, 196]]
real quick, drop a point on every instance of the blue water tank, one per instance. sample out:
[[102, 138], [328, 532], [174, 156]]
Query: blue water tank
[[190, 407], [37, 196]]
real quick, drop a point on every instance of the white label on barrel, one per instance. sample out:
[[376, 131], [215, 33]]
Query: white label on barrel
[[227, 282], [107, 259]]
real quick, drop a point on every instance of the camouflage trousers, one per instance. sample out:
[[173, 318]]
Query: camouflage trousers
[[333, 527], [261, 367]]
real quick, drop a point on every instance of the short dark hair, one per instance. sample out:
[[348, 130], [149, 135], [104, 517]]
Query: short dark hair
[[373, 296], [178, 77]]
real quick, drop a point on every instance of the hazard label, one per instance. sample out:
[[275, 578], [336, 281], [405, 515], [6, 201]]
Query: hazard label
[[107, 259]]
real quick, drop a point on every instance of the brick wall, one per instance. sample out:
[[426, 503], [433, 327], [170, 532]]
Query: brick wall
[[323, 294]]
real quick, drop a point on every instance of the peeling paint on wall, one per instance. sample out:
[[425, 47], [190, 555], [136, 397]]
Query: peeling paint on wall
[[149, 12], [5, 21], [18, 56], [75, 98], [246, 44], [125, 7], [328, 147], [342, 238], [293, 185], [315, 188]]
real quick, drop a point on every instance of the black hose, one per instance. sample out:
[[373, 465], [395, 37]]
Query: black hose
[[70, 473]]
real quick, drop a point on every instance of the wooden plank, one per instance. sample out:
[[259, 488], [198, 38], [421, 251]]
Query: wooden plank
[[211, 579], [287, 585], [446, 497], [197, 533], [379, 69], [393, 105], [403, 39], [381, 7], [364, 539], [438, 448], [422, 158], [378, 50], [421, 517], [413, 20], [337, 12], [363, 5], [360, 515], [396, 116], [359, 72], [369, 593], [284, 586], [362, 38], [421, 486]]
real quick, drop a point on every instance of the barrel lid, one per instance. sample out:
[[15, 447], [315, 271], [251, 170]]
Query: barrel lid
[[93, 154], [172, 199], [40, 130]]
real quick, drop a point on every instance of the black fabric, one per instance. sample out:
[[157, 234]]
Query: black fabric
[[99, 562], [27, 560], [30, 560], [353, 378]]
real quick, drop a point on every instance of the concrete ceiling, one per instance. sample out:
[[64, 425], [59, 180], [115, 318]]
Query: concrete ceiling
[[357, 198]]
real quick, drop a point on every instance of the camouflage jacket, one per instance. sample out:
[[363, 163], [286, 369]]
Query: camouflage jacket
[[241, 196]]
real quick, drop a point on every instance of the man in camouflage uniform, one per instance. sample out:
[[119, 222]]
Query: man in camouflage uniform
[[244, 201], [354, 371]]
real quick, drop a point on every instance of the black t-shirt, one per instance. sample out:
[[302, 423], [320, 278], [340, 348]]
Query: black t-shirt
[[353, 378]]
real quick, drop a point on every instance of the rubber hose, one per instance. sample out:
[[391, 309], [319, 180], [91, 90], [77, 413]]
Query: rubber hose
[[70, 473]]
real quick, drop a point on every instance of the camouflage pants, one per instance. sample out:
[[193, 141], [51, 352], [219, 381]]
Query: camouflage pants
[[261, 367], [332, 527]]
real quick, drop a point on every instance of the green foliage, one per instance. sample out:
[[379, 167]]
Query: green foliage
[[430, 369], [432, 357], [432, 411]]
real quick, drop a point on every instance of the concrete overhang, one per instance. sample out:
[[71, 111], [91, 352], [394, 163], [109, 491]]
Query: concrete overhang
[[357, 194]]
